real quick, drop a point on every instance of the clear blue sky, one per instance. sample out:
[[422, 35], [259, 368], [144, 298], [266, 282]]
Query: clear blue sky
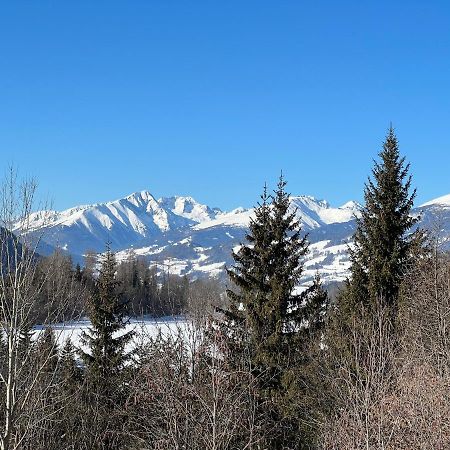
[[102, 98]]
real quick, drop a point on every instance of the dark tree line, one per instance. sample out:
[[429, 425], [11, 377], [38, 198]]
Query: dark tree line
[[149, 293], [147, 290]]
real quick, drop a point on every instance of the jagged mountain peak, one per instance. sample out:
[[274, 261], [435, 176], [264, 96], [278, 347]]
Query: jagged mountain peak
[[315, 212], [351, 205], [189, 208], [196, 239], [310, 201], [140, 198], [311, 212]]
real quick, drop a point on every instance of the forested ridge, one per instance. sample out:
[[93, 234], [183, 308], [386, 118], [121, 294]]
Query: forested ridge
[[257, 364]]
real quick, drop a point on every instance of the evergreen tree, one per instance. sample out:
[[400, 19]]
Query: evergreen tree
[[25, 337], [272, 318], [150, 286], [106, 357], [362, 335], [251, 272], [315, 309], [71, 392], [69, 372], [43, 390], [47, 352], [383, 242], [78, 273]]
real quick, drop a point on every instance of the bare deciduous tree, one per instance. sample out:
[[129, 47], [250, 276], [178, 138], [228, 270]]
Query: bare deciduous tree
[[361, 376], [25, 377], [187, 396], [393, 392]]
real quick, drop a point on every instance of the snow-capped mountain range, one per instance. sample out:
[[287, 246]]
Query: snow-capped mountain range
[[183, 236]]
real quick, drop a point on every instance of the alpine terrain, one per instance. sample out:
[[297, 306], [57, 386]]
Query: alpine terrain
[[183, 236]]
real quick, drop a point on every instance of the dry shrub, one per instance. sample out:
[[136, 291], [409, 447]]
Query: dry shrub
[[420, 410], [415, 416], [407, 407]]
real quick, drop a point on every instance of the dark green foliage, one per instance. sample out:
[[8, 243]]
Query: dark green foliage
[[316, 308], [25, 337], [78, 273], [173, 294], [275, 321], [62, 294], [69, 371], [62, 290], [363, 335], [384, 247], [106, 374], [107, 312], [47, 352], [70, 376], [148, 293], [139, 285], [44, 403], [383, 242]]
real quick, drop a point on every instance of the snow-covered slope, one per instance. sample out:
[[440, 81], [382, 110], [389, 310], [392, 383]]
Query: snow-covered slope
[[130, 221], [440, 201], [189, 208], [311, 213], [435, 217], [187, 237]]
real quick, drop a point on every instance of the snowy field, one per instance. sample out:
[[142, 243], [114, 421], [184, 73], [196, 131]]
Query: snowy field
[[144, 328]]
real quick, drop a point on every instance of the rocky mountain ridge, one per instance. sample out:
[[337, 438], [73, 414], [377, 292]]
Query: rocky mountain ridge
[[183, 236]]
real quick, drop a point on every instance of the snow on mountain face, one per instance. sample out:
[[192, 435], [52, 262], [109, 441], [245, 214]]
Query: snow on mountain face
[[238, 217], [440, 201], [315, 213], [310, 212], [187, 237], [125, 222], [190, 209]]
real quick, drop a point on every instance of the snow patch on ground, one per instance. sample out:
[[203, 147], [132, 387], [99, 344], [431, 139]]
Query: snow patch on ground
[[144, 329]]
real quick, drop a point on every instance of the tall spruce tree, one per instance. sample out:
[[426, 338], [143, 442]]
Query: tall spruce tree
[[362, 336], [383, 242], [108, 315], [251, 274], [272, 318]]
